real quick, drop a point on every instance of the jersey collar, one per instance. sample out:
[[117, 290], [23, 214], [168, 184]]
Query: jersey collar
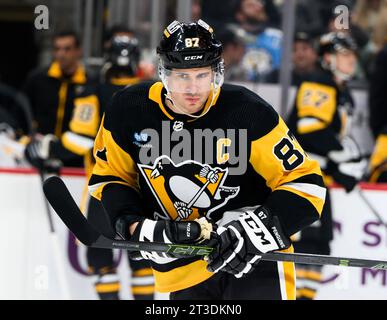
[[78, 77]]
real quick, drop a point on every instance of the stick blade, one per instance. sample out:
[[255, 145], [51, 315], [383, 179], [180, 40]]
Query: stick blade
[[64, 205]]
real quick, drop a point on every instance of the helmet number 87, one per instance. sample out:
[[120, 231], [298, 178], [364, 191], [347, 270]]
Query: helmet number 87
[[286, 152], [192, 42]]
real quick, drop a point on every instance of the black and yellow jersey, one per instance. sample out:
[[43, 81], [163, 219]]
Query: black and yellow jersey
[[86, 118], [150, 162], [52, 95], [378, 161], [378, 117], [321, 113]]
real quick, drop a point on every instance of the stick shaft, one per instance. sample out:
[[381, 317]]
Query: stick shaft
[[65, 206]]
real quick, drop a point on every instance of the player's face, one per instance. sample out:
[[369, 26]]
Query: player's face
[[304, 56], [66, 53], [190, 88], [346, 62]]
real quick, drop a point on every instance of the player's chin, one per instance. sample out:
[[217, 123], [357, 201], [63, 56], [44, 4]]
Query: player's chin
[[195, 107]]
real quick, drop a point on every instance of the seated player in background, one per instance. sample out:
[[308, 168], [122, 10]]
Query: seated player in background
[[51, 92], [320, 121], [378, 117], [119, 71]]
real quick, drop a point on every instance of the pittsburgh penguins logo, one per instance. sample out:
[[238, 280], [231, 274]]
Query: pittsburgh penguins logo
[[188, 190]]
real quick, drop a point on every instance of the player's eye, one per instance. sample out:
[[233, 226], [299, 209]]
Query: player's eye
[[203, 75], [183, 76]]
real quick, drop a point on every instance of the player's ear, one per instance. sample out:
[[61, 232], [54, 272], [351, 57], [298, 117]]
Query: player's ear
[[327, 58]]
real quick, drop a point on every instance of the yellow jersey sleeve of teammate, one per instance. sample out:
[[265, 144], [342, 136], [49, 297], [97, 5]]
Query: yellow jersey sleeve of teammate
[[83, 125], [378, 161], [316, 106]]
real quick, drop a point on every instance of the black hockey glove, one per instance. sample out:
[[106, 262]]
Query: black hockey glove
[[37, 153], [347, 174], [242, 242], [346, 166], [163, 231]]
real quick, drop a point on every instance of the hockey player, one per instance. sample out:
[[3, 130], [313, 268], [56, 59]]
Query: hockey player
[[119, 71], [378, 117], [51, 92], [188, 147], [320, 120]]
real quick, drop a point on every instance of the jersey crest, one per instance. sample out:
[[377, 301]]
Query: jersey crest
[[188, 190]]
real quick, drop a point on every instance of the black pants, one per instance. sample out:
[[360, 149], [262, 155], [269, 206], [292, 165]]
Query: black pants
[[266, 282]]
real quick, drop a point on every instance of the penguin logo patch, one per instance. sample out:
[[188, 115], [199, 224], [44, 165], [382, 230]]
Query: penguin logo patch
[[188, 190]]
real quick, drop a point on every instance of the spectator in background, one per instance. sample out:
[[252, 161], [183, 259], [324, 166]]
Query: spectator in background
[[369, 19], [218, 13], [264, 53], [233, 52], [51, 91], [196, 9], [378, 117], [371, 16], [305, 59]]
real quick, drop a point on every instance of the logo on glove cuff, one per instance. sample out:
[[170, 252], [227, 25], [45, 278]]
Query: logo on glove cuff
[[259, 235], [256, 229]]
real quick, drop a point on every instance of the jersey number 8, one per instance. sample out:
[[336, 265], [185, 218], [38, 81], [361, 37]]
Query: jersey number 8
[[284, 150]]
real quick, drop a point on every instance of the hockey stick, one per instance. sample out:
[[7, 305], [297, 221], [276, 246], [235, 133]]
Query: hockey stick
[[66, 208]]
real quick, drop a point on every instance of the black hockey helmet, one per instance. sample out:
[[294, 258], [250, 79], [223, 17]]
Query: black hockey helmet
[[190, 45], [336, 42], [124, 52]]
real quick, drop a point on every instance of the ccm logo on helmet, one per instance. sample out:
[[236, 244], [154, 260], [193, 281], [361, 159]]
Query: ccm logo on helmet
[[193, 57]]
